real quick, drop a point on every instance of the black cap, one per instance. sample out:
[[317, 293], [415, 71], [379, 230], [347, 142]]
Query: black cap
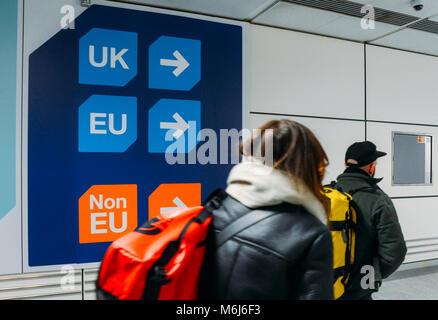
[[360, 154]]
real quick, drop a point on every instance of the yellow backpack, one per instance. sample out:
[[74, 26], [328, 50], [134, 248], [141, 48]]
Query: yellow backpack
[[342, 224]]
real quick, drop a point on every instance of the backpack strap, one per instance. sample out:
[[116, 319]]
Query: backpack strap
[[332, 185], [240, 224], [348, 268], [214, 200]]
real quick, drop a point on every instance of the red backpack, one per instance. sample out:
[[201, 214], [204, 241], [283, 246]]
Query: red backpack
[[161, 259]]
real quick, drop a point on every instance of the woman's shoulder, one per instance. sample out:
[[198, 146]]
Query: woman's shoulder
[[292, 231], [300, 215], [289, 231]]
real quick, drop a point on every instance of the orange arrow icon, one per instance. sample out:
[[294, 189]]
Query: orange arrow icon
[[169, 197]]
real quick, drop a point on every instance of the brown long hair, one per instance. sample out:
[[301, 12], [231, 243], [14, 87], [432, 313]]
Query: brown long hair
[[295, 150]]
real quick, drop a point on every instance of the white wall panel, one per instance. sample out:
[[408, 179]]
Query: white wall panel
[[381, 135], [42, 286], [301, 74], [90, 278], [401, 86], [334, 135], [419, 223]]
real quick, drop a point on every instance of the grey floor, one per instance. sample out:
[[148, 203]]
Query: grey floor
[[415, 284]]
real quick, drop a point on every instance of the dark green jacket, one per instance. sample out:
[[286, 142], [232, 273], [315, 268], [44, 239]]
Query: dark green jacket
[[380, 242]]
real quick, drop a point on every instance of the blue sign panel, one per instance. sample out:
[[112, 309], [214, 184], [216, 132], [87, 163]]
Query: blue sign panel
[[107, 124], [107, 57], [106, 102], [171, 121], [174, 63]]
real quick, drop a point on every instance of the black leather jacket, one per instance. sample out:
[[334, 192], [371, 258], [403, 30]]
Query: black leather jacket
[[286, 256]]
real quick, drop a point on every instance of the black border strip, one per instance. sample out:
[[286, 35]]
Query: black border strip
[[415, 197], [365, 87]]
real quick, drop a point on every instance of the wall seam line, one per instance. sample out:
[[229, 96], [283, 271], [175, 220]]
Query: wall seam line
[[304, 116], [365, 87]]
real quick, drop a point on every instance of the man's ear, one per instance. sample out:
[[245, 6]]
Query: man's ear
[[372, 168]]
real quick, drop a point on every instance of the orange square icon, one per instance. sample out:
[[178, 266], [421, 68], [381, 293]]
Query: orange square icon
[[169, 197], [107, 212]]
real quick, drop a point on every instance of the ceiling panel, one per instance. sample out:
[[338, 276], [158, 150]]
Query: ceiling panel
[[303, 18], [411, 40], [350, 28], [403, 6], [298, 17], [235, 9]]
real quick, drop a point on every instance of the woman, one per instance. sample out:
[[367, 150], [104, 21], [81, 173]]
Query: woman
[[288, 253]]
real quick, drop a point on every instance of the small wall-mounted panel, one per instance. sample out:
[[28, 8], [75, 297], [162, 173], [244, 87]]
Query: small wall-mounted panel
[[409, 167], [412, 159]]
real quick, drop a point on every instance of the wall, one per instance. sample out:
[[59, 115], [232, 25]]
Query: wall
[[292, 76], [343, 91], [346, 92]]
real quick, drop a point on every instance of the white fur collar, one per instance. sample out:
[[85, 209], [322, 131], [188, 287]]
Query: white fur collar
[[256, 185]]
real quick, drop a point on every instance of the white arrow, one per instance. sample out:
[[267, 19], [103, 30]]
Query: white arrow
[[180, 63], [179, 204], [180, 125]]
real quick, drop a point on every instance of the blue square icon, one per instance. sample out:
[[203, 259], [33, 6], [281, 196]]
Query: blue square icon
[[174, 122], [174, 63], [107, 57]]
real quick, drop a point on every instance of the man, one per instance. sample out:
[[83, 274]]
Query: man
[[380, 243]]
